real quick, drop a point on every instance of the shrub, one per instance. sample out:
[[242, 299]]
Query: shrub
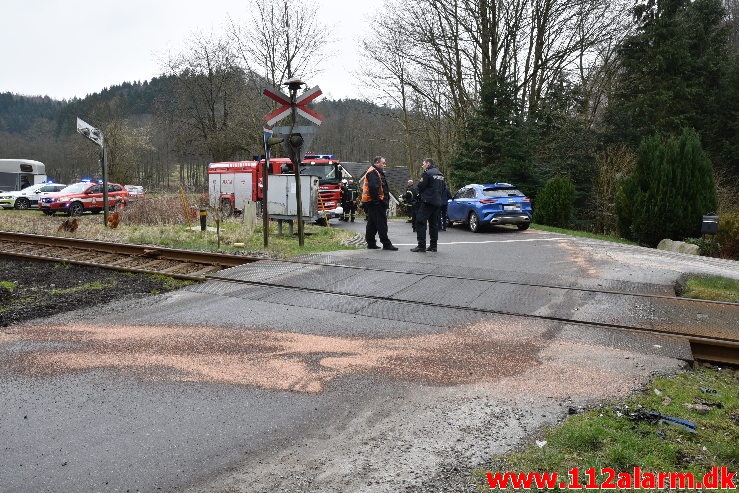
[[554, 203], [669, 191], [728, 235]]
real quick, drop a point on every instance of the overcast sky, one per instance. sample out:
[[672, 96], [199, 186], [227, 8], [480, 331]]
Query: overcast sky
[[64, 49]]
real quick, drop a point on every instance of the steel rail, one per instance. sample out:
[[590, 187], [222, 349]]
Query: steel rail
[[81, 252]]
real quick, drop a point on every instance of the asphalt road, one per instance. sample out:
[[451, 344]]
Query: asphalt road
[[224, 388]]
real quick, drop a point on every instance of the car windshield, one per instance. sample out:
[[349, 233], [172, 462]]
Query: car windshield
[[501, 192], [76, 188]]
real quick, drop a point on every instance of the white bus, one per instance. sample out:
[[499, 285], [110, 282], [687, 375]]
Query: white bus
[[17, 174]]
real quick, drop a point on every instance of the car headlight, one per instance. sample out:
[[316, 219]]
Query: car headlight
[[6, 196]]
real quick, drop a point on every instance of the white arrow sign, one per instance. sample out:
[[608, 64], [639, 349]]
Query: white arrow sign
[[89, 131]]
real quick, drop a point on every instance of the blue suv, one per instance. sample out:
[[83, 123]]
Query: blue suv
[[494, 203]]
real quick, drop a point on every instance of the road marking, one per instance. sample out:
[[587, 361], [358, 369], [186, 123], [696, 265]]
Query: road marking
[[488, 241]]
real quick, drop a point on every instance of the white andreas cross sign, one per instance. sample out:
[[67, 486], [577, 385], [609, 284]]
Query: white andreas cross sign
[[301, 105]]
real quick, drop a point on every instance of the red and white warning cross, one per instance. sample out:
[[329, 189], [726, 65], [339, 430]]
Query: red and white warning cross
[[301, 105]]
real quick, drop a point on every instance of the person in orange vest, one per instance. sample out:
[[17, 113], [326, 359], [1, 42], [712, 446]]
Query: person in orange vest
[[376, 202]]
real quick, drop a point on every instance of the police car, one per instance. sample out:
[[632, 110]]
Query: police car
[[29, 196]]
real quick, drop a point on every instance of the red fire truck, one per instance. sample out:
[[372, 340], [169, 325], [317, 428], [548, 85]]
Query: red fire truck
[[233, 184]]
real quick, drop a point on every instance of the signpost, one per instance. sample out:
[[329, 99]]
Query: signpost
[[96, 136], [295, 137]]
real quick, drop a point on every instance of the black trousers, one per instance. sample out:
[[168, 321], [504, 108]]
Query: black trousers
[[427, 214], [376, 224]]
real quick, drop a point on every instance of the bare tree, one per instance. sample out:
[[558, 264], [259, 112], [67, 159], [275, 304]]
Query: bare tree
[[209, 111], [281, 40]]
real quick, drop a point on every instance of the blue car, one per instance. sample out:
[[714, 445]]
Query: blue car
[[495, 203]]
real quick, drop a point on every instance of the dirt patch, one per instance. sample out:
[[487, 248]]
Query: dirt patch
[[38, 289], [271, 359]]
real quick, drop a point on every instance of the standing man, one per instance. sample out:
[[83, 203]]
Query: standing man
[[410, 197], [431, 196], [349, 196], [444, 209], [344, 200], [376, 202]]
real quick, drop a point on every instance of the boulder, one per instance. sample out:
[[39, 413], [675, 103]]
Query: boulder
[[678, 246]]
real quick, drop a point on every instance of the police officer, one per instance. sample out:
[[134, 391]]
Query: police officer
[[431, 196]]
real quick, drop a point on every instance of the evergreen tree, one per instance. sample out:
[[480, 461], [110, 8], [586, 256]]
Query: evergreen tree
[[495, 145], [679, 70], [669, 191], [554, 203]]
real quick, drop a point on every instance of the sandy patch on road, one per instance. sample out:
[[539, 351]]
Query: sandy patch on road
[[276, 360]]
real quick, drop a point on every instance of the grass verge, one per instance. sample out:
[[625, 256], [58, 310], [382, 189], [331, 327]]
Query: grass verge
[[622, 436], [714, 288]]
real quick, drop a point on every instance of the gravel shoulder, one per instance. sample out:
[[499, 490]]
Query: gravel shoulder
[[38, 289]]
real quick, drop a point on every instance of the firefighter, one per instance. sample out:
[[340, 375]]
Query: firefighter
[[410, 197], [349, 196], [344, 196]]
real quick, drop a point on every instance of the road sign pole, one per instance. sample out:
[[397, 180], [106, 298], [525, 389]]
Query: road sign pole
[[96, 136]]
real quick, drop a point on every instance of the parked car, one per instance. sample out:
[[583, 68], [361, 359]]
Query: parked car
[[494, 203], [29, 196], [84, 196]]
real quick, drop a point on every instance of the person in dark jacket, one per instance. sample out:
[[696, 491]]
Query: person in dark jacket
[[431, 196], [376, 202], [443, 213], [349, 196], [410, 197]]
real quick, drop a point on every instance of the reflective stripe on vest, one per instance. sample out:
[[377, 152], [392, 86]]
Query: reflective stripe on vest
[[365, 187]]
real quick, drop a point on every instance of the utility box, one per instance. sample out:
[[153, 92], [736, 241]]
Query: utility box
[[282, 197], [709, 225]]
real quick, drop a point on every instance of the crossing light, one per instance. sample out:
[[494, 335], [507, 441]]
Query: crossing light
[[294, 145]]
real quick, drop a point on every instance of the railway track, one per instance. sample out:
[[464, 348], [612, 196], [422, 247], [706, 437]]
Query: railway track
[[180, 264], [711, 343], [715, 339]]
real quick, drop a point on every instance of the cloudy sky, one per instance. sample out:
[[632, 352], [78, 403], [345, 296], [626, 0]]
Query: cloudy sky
[[68, 49]]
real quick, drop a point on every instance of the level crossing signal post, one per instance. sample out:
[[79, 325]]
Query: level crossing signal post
[[294, 137]]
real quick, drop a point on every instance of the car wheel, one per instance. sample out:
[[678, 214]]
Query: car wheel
[[474, 222], [76, 209], [22, 204], [523, 226]]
